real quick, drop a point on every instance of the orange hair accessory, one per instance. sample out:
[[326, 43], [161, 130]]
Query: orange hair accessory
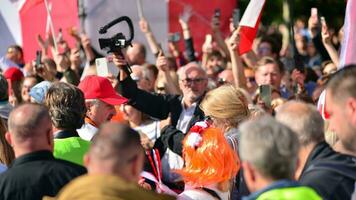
[[212, 161]]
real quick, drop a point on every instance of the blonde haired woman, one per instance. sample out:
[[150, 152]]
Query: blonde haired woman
[[227, 107]]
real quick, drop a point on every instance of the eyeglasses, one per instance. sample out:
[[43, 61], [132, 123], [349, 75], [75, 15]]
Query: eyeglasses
[[190, 80]]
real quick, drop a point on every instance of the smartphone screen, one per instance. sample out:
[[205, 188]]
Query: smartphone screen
[[217, 13], [322, 20], [174, 37], [236, 17], [266, 94], [314, 12]]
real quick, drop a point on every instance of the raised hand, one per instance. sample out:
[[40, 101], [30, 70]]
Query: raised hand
[[144, 26], [325, 34], [161, 62], [234, 40], [185, 16]]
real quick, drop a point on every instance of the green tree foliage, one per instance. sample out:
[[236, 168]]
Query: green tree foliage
[[332, 10]]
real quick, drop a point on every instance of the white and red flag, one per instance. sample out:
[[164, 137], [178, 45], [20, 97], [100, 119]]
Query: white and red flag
[[249, 24], [348, 53], [22, 20]]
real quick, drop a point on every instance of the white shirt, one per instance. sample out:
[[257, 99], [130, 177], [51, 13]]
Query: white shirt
[[152, 130], [185, 117], [87, 131], [197, 194]]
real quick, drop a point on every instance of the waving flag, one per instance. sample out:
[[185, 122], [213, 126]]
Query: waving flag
[[249, 24], [22, 20], [348, 53]]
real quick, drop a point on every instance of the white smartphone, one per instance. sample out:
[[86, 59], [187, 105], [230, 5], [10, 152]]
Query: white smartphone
[[322, 20], [105, 67], [314, 12]]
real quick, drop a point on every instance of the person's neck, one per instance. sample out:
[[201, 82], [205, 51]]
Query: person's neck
[[26, 150], [263, 183], [135, 122], [303, 156], [339, 147]]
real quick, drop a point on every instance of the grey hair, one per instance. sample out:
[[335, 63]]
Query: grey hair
[[270, 147], [189, 67], [94, 102], [304, 119]]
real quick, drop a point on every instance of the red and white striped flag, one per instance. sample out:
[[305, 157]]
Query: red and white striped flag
[[249, 24], [348, 53], [22, 20]]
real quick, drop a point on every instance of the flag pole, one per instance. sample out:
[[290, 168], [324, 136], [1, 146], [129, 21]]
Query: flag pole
[[81, 15], [51, 26]]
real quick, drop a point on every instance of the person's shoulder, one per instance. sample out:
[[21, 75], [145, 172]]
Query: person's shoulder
[[67, 165], [328, 184]]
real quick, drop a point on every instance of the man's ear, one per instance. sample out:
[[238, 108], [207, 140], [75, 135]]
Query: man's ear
[[50, 139], [88, 105], [8, 138], [351, 109], [249, 175], [86, 160]]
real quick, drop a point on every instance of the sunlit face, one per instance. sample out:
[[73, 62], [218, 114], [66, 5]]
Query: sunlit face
[[28, 83], [340, 120], [214, 64], [268, 74], [329, 69], [193, 84], [264, 49], [14, 55], [101, 112]]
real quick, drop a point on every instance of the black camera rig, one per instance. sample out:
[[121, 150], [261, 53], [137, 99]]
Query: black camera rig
[[117, 42]]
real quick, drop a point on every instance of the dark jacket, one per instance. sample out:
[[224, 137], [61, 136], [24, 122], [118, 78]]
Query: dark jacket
[[36, 174], [160, 107], [330, 173]]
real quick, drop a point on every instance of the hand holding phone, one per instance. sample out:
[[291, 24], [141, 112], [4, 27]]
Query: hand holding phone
[[174, 37], [266, 94], [236, 17], [217, 13]]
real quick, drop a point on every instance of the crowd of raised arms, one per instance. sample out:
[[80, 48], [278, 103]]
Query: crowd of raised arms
[[205, 123]]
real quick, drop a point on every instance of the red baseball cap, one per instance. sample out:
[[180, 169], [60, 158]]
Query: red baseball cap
[[96, 87]]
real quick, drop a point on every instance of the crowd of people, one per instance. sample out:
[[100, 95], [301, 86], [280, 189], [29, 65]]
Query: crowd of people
[[210, 125]]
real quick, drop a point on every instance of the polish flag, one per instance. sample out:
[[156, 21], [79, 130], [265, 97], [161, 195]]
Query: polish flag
[[249, 24], [22, 20], [348, 53]]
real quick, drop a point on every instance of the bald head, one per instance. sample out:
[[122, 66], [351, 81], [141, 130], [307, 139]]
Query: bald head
[[136, 54], [304, 119], [28, 121], [114, 148]]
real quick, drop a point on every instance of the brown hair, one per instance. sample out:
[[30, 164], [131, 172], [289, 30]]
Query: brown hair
[[7, 154]]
